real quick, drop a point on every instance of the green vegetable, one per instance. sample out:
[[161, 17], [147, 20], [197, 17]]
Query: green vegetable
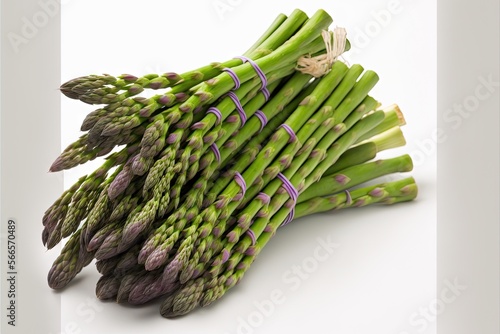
[[189, 193]]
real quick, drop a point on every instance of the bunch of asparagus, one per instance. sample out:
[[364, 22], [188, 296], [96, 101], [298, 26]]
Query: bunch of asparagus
[[198, 178]]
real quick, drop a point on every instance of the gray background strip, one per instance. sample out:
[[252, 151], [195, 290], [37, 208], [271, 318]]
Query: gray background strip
[[30, 140], [468, 167]]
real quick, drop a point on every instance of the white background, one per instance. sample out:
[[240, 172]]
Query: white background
[[382, 275]]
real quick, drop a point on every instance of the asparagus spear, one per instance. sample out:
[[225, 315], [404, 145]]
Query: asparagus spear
[[107, 287], [70, 262], [356, 175], [65, 266], [385, 193]]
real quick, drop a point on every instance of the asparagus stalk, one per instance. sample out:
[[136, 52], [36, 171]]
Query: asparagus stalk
[[107, 267], [107, 287], [356, 175], [385, 193], [70, 262], [65, 266]]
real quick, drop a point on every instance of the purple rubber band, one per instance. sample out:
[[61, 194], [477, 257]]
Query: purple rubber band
[[216, 151], [239, 107], [261, 75], [257, 69], [348, 200], [216, 112], [241, 182], [251, 234], [263, 119], [237, 82], [290, 131], [266, 93], [294, 195], [289, 218]]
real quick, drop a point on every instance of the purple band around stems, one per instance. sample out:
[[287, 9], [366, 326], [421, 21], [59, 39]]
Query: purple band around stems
[[251, 234], [237, 82], [216, 151], [289, 218], [266, 93], [257, 69], [293, 193], [348, 200], [241, 182], [261, 75], [263, 119], [290, 131], [239, 107], [216, 112]]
